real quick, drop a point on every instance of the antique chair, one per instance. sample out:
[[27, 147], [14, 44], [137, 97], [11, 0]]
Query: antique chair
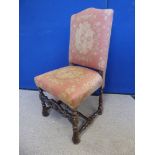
[[88, 53]]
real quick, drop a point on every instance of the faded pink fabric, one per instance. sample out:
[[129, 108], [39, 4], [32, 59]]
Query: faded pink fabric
[[89, 37], [89, 43], [70, 84]]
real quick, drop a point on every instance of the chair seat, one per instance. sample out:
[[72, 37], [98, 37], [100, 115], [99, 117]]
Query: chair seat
[[71, 84]]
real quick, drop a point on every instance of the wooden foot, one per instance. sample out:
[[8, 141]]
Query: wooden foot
[[75, 120], [100, 107]]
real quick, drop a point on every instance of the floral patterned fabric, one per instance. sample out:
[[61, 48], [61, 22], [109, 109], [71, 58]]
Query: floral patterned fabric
[[89, 37], [89, 43], [70, 84]]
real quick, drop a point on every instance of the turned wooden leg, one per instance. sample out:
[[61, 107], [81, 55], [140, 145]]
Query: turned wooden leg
[[75, 121], [44, 109], [100, 107]]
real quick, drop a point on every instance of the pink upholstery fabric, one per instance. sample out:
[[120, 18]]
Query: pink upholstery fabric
[[70, 84], [89, 43], [90, 36]]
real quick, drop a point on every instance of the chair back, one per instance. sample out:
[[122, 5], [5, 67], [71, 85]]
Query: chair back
[[89, 38]]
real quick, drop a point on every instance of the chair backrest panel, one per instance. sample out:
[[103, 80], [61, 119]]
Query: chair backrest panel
[[90, 37]]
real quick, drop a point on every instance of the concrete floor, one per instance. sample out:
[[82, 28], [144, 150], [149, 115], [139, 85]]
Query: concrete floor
[[111, 133]]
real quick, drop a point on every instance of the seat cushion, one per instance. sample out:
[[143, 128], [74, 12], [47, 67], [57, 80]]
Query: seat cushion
[[71, 84]]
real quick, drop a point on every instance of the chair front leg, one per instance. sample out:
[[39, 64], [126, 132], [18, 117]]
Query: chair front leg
[[44, 107], [75, 121], [100, 107]]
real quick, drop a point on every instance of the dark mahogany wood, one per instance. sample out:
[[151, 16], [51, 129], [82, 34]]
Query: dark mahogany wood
[[75, 121], [100, 107]]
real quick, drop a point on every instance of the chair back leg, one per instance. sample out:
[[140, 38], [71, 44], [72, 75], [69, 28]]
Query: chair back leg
[[100, 107]]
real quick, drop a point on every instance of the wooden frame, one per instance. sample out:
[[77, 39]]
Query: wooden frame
[[72, 114]]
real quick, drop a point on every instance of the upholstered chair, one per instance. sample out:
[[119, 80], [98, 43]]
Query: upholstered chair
[[89, 43]]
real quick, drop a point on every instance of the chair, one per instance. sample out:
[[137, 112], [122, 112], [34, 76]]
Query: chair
[[88, 53]]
